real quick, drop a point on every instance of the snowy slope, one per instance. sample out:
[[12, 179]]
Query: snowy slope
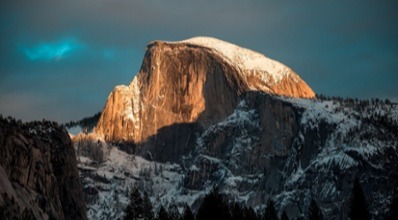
[[360, 135], [107, 186], [336, 141]]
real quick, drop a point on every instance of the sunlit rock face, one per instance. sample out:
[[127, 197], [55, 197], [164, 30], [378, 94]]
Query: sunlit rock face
[[197, 81]]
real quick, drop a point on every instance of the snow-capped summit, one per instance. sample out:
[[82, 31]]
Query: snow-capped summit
[[246, 59], [199, 80]]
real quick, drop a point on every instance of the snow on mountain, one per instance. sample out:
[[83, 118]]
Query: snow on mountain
[[107, 185], [336, 141], [216, 114], [245, 59], [352, 139]]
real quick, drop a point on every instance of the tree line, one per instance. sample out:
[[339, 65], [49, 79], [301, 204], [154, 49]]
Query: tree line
[[215, 206], [87, 124]]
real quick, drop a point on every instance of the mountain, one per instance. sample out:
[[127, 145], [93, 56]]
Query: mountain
[[287, 149], [203, 113], [38, 172], [198, 80]]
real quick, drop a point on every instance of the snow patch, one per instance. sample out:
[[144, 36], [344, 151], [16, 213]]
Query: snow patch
[[249, 61]]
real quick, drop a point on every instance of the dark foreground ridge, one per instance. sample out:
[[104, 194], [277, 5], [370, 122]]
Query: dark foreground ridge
[[38, 172]]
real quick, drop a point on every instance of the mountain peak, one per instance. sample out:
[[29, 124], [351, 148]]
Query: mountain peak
[[260, 72], [198, 80]]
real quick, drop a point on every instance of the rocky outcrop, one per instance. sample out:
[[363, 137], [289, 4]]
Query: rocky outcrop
[[198, 81], [256, 139], [38, 170], [260, 125], [295, 150]]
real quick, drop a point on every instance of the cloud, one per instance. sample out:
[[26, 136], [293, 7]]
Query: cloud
[[52, 51]]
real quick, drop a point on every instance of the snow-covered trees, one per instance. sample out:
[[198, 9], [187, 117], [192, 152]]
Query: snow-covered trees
[[95, 150], [87, 124]]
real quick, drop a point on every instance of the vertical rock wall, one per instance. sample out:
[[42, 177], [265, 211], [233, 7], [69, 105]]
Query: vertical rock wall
[[38, 171]]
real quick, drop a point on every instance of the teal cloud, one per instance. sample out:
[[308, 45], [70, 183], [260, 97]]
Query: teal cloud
[[52, 51]]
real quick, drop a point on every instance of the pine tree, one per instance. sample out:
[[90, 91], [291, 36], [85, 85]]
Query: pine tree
[[147, 208], [393, 213], [284, 216], [314, 212], [27, 214], [270, 212], [358, 206], [134, 209], [173, 212], [213, 207], [2, 208], [249, 213], [163, 214], [187, 215], [237, 212]]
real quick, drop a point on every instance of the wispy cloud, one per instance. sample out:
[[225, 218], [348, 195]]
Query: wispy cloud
[[54, 50]]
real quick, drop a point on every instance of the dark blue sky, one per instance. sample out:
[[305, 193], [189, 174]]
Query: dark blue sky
[[59, 60]]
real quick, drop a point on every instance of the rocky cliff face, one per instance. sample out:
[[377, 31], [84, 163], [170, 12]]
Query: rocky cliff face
[[39, 177], [295, 150], [198, 81], [286, 149], [253, 140]]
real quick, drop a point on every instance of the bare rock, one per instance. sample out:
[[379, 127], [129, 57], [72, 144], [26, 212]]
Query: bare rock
[[198, 81], [38, 171]]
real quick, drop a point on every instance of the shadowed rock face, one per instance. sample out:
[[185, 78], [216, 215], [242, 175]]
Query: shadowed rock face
[[38, 172], [190, 82], [256, 139]]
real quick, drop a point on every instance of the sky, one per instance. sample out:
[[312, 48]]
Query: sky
[[59, 60]]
